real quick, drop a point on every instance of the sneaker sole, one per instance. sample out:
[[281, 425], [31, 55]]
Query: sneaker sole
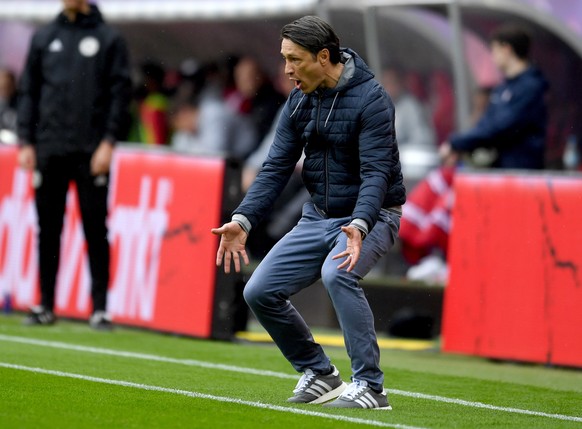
[[388, 408], [332, 394]]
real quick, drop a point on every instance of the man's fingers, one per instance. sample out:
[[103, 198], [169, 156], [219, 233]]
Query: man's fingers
[[227, 259], [231, 257], [350, 261], [343, 254], [231, 247], [219, 256], [245, 257], [344, 263], [217, 231], [352, 265], [236, 258]]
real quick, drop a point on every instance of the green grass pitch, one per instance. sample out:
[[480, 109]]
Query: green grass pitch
[[69, 376]]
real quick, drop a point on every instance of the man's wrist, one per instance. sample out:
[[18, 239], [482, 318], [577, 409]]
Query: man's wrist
[[361, 225], [242, 221]]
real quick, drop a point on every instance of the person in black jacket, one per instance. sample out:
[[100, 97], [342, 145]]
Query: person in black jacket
[[343, 120], [73, 107], [514, 124]]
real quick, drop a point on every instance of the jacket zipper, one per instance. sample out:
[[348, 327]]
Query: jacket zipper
[[326, 154]]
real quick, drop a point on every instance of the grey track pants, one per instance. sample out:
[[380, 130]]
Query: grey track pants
[[298, 260]]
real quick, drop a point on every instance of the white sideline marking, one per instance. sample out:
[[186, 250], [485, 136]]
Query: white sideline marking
[[198, 395], [143, 356], [483, 405], [110, 352]]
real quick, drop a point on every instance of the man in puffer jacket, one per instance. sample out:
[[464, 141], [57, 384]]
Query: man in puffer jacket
[[73, 107], [344, 122]]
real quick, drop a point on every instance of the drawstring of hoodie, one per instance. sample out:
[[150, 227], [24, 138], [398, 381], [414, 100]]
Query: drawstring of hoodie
[[298, 104], [328, 115], [330, 110]]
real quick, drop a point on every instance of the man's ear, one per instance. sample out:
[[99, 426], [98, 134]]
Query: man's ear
[[323, 56]]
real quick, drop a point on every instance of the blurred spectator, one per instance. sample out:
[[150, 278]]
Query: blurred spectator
[[282, 85], [425, 226], [415, 84], [204, 123], [184, 120], [413, 127], [255, 97], [7, 100], [151, 108], [513, 121], [189, 81], [442, 104], [184, 108]]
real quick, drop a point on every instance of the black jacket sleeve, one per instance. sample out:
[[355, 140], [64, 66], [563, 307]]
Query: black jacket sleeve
[[29, 94]]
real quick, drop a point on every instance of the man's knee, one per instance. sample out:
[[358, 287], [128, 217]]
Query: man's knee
[[329, 275], [258, 296], [250, 295], [255, 296], [332, 277]]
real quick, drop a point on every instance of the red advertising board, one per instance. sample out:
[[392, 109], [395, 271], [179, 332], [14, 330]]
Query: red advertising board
[[161, 209], [515, 255]]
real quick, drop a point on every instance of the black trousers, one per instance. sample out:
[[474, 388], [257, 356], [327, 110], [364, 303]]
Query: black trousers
[[52, 179]]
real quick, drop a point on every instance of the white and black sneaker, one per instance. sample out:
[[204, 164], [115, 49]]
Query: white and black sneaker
[[315, 388], [360, 395], [38, 315], [101, 321]]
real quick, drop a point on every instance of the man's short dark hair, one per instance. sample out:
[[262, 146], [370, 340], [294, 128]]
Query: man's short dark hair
[[516, 37], [314, 34]]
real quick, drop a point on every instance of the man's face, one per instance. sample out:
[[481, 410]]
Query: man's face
[[75, 5], [302, 66], [500, 53], [248, 77]]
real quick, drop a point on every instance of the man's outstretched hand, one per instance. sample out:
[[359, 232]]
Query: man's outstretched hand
[[353, 248], [232, 246]]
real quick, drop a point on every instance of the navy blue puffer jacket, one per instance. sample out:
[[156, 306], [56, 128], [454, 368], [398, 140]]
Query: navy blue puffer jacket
[[351, 165], [514, 123]]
